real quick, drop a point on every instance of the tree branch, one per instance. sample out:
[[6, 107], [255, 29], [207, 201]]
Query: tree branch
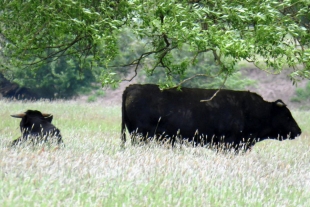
[[144, 55], [60, 51], [218, 90]]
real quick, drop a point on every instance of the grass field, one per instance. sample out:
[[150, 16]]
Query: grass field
[[92, 170]]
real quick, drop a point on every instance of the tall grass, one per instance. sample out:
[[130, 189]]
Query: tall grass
[[92, 170]]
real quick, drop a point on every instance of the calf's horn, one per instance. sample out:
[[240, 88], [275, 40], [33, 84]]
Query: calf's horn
[[18, 115]]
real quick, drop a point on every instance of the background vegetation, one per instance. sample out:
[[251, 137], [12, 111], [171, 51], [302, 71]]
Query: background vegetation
[[92, 170]]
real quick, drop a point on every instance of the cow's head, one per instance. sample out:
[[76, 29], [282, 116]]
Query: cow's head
[[283, 124]]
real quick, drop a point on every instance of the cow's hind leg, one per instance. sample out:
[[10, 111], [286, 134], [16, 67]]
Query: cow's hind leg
[[123, 138], [134, 137], [196, 140], [172, 140]]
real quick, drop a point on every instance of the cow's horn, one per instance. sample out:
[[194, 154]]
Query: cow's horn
[[46, 115], [18, 115]]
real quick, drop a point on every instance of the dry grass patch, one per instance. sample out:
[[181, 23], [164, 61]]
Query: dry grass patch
[[92, 170]]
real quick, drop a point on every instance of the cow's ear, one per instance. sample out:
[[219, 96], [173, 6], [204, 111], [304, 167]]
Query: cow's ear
[[19, 115], [279, 103]]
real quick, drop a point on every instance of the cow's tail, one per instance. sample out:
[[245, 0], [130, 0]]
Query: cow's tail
[[123, 126]]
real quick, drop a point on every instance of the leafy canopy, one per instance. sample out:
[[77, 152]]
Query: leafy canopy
[[272, 34]]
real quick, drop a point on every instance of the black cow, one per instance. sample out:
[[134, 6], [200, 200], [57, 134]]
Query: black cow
[[37, 127], [234, 119]]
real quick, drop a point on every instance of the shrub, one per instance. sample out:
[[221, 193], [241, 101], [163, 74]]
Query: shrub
[[302, 94], [61, 79], [91, 98]]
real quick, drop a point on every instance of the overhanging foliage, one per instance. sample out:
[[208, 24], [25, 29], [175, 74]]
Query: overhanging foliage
[[272, 34]]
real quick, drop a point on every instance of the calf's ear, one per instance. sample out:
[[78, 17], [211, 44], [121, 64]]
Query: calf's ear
[[49, 118], [46, 115], [18, 115]]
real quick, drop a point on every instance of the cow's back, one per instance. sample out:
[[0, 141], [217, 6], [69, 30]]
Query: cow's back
[[150, 110]]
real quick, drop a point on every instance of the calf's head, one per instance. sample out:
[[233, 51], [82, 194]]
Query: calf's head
[[33, 122]]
